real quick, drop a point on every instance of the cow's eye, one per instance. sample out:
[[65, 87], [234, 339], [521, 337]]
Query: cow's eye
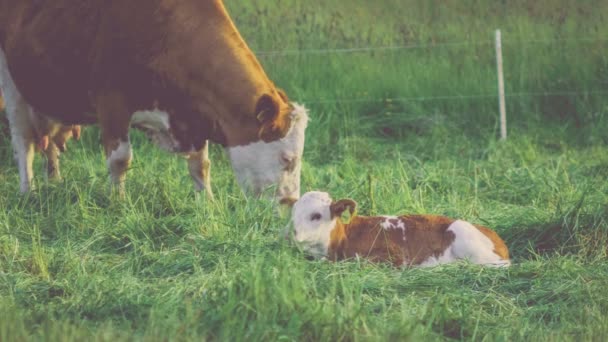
[[315, 217], [288, 161]]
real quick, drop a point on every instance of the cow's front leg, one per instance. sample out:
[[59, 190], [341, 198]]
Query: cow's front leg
[[199, 166], [23, 145], [114, 118], [22, 131], [118, 158]]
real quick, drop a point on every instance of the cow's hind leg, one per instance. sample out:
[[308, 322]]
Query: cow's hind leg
[[199, 166], [22, 132], [114, 118]]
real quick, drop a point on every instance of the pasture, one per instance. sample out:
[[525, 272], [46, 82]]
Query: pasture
[[408, 130]]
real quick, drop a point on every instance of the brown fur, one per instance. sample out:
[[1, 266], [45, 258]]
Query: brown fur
[[425, 236], [72, 58]]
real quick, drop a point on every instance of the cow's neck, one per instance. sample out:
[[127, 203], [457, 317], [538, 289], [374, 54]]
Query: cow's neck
[[337, 240], [219, 70]]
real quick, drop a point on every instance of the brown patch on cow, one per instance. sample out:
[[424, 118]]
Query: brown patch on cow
[[424, 236]]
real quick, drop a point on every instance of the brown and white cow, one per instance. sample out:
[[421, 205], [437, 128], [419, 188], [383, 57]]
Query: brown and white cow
[[408, 240], [178, 69]]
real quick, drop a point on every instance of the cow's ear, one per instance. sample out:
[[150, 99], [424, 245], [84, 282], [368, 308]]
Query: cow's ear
[[273, 127], [343, 207], [266, 110]]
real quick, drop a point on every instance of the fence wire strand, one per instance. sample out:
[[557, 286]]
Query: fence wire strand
[[303, 52], [291, 52], [458, 97]]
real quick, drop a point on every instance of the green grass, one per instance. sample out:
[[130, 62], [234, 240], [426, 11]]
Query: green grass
[[166, 264]]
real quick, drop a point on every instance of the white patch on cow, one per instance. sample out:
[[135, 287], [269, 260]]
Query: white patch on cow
[[22, 132], [386, 224], [117, 160], [121, 153], [389, 223], [260, 164], [155, 120], [312, 222], [156, 125], [471, 244]]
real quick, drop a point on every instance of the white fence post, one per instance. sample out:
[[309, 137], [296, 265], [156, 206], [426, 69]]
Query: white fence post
[[501, 88]]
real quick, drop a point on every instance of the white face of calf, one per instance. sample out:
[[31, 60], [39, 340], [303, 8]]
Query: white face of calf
[[261, 165], [313, 222]]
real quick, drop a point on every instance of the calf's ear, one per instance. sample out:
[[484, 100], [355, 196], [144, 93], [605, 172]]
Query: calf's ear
[[343, 207]]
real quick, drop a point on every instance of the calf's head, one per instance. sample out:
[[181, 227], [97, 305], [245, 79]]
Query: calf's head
[[314, 216], [275, 159]]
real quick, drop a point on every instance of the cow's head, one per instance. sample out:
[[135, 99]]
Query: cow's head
[[262, 131], [275, 159]]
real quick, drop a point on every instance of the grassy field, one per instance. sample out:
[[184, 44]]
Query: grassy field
[[166, 264]]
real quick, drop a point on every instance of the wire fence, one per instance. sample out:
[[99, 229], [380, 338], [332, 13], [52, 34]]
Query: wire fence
[[364, 49], [459, 97], [500, 95], [288, 52]]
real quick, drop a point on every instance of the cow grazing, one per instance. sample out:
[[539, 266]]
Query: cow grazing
[[178, 69], [408, 240]]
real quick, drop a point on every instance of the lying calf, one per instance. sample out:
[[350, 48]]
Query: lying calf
[[423, 240]]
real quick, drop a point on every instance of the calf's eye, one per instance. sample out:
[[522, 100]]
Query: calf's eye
[[315, 217]]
